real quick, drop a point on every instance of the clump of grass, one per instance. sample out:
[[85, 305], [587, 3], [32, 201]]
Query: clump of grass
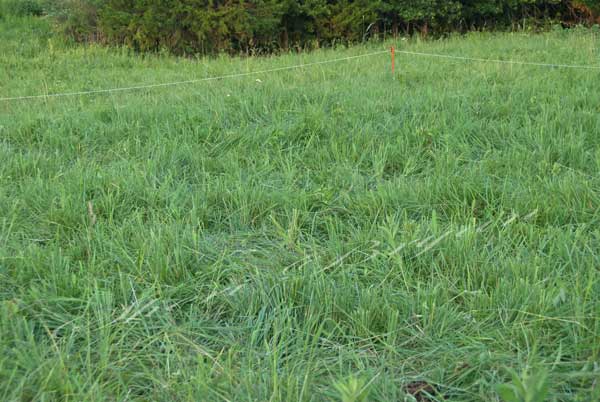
[[328, 233]]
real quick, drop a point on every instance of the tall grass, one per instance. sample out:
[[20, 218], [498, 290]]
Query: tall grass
[[329, 233]]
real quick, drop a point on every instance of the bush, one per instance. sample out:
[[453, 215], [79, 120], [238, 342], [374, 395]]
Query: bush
[[20, 8], [78, 19], [250, 26], [588, 9]]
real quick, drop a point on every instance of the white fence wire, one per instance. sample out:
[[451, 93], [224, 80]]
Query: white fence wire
[[293, 67]]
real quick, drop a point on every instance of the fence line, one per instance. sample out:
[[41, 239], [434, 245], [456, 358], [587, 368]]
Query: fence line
[[523, 63], [297, 66], [194, 81]]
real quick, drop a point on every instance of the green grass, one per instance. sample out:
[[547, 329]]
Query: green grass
[[329, 233]]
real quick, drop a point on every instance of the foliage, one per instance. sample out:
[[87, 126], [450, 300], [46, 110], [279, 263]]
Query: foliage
[[591, 8], [20, 8], [526, 388], [353, 390], [78, 19], [247, 26]]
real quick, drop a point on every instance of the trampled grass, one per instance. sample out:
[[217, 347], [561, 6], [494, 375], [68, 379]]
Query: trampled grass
[[327, 233]]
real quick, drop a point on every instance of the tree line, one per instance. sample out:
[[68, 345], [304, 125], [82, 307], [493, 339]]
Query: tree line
[[261, 26]]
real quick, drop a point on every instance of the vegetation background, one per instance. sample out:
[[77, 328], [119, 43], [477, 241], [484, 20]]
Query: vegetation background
[[258, 26]]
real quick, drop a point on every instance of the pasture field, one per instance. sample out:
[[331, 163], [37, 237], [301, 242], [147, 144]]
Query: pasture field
[[329, 233]]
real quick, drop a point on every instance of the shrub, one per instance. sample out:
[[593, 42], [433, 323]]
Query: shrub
[[209, 26], [78, 19], [20, 8]]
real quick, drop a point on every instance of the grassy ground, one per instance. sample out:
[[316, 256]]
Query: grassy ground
[[326, 234]]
